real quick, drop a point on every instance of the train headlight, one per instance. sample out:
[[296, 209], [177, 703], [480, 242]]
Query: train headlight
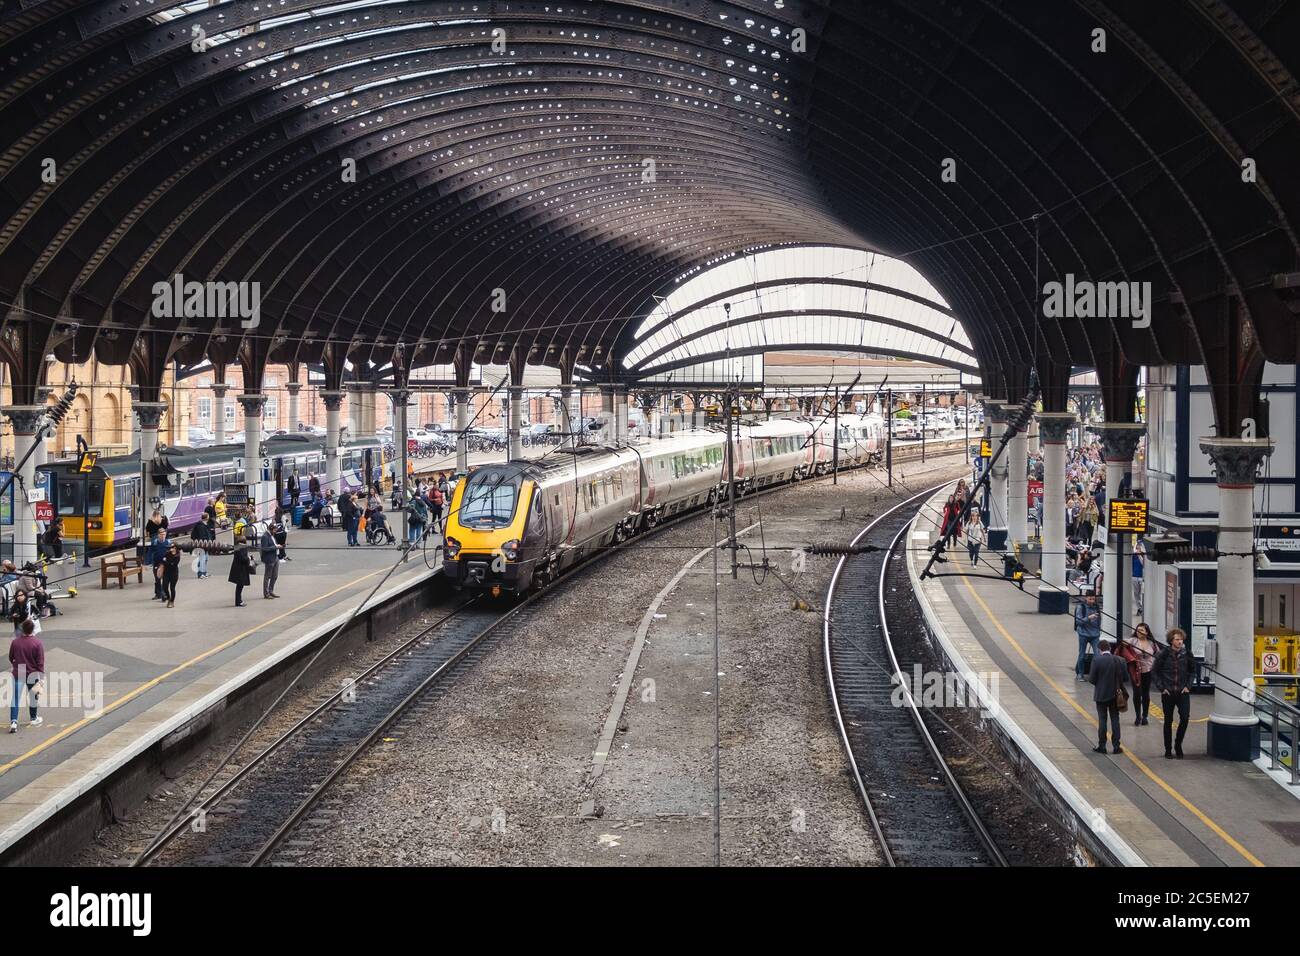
[[511, 550], [451, 548]]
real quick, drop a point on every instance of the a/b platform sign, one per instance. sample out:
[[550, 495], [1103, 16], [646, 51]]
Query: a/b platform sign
[[1128, 516]]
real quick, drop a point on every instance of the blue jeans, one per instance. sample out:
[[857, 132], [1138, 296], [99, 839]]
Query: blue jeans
[[19, 684], [1084, 644], [203, 561], [352, 524], [414, 532]]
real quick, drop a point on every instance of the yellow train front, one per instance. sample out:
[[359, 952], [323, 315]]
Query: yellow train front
[[495, 531], [105, 498]]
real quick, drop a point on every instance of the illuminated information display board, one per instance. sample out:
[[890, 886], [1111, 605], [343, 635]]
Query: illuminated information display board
[[1128, 516]]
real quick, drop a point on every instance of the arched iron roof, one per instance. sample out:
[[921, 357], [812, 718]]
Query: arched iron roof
[[586, 154]]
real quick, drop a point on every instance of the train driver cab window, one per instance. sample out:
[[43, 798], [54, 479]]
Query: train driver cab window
[[489, 499], [70, 493]]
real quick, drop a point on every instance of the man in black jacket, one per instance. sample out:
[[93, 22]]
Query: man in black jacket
[[1108, 675], [203, 534], [270, 552], [1172, 673]]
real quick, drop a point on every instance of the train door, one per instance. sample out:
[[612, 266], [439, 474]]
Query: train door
[[277, 471]]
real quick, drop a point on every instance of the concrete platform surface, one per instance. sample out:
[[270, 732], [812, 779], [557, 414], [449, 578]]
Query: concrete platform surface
[[125, 670], [1192, 812]]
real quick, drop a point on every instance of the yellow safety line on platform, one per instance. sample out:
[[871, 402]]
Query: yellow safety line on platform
[[1069, 699], [131, 695]]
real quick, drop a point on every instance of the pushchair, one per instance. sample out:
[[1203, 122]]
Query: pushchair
[[377, 529]]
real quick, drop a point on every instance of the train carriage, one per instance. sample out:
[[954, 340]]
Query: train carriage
[[182, 481], [680, 472], [774, 451]]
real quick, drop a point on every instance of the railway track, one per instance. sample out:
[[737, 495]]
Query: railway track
[[915, 804], [267, 809]]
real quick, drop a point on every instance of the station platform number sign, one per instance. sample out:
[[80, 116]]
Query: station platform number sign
[[1128, 516]]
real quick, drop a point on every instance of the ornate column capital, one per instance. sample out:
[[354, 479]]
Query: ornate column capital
[[997, 412], [220, 389], [149, 413], [1054, 426], [25, 418], [333, 400], [1119, 440], [293, 388], [400, 397], [252, 402], [1236, 460]]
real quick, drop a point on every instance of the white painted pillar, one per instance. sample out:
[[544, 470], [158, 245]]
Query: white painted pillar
[[400, 398], [1119, 440], [333, 415], [570, 415], [219, 412], [515, 433], [1233, 733], [995, 414], [264, 491], [24, 419], [462, 399], [293, 388], [149, 415], [1053, 598], [620, 415], [1018, 489]]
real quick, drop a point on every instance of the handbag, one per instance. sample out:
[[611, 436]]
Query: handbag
[[1121, 695]]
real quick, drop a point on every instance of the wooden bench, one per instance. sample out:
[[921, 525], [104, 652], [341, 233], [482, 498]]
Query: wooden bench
[[119, 568]]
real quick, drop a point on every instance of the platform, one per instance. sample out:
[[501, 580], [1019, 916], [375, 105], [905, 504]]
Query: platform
[[161, 667], [1145, 809]]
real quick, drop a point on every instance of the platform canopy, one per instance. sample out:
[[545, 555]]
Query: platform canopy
[[500, 180]]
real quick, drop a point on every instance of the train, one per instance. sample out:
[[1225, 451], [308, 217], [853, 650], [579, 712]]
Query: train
[[516, 525], [184, 478]]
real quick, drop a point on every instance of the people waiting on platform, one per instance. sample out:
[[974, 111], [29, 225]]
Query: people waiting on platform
[[975, 536], [377, 530], [1140, 650], [1108, 675], [27, 667], [219, 508], [153, 559], [203, 533], [241, 570], [1172, 675], [171, 572], [1087, 625], [417, 518]]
